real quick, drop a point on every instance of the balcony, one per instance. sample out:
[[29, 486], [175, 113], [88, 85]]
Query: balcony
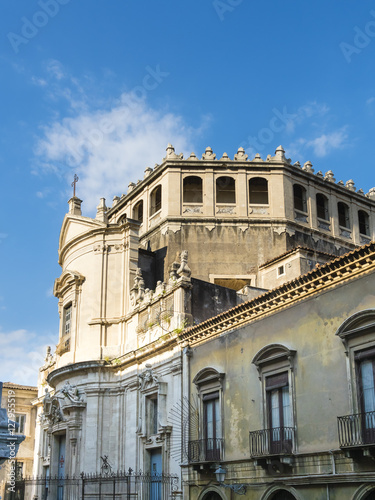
[[269, 445], [357, 432], [206, 450]]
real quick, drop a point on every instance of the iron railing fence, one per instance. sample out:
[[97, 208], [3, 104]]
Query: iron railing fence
[[206, 450], [112, 486], [357, 429], [275, 441]]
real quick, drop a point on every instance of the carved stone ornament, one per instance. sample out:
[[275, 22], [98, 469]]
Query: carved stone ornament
[[350, 185], [225, 157], [193, 157], [307, 167], [208, 155], [225, 210], [148, 378], [137, 292], [329, 176], [192, 210], [71, 392], [184, 270], [171, 155], [241, 155]]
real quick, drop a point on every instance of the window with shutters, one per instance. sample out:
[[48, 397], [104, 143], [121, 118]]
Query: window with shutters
[[277, 437], [357, 430], [208, 444]]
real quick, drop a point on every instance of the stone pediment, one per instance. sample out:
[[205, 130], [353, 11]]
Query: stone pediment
[[67, 280], [74, 226]]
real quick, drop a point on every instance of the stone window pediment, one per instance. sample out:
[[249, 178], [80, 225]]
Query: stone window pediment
[[274, 354], [208, 376], [358, 325]]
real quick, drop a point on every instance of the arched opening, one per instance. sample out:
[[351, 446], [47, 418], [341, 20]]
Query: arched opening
[[155, 200], [283, 495], [258, 191], [138, 211], [322, 207], [343, 211], [225, 190], [212, 495], [364, 223], [192, 189], [299, 195]]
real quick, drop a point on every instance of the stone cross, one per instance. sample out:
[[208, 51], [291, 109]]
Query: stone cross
[[76, 178]]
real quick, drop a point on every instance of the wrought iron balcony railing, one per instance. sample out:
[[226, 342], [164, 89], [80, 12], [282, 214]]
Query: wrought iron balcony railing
[[206, 450], [276, 441], [356, 430]]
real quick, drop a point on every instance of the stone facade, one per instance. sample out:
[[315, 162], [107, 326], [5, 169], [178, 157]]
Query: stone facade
[[19, 399], [143, 282]]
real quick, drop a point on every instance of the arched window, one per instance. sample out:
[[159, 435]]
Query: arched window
[[138, 211], [225, 190], [283, 495], [322, 207], [364, 223], [155, 200], [343, 211], [299, 195], [192, 191], [258, 191]]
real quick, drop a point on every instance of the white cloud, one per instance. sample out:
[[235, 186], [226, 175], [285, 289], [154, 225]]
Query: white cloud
[[305, 112], [326, 143], [55, 69], [370, 101], [39, 82], [108, 148], [321, 146], [21, 355]]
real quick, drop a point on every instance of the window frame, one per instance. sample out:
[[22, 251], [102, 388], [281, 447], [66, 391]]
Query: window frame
[[304, 209], [155, 203], [68, 308], [209, 384], [225, 191], [365, 223], [324, 207], [21, 429], [271, 361], [357, 334], [253, 192], [345, 215], [198, 191], [136, 210]]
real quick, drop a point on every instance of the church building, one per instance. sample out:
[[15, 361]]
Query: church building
[[183, 328]]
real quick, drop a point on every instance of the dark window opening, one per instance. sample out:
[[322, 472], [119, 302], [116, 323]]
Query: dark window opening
[[192, 190], [343, 211], [212, 425], [155, 200], [279, 412], [258, 191], [225, 190], [138, 211], [322, 207], [299, 194], [364, 223]]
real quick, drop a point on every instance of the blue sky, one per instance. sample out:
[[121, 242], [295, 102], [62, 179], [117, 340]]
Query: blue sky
[[100, 88]]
